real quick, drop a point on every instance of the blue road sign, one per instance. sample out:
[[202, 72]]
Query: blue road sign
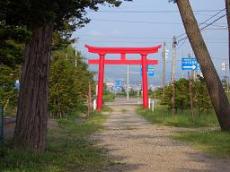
[[118, 83], [189, 64], [150, 71]]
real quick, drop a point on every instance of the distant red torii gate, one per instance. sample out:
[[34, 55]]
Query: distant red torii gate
[[102, 51]]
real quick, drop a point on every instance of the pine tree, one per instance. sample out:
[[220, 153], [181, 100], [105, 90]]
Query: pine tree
[[41, 18]]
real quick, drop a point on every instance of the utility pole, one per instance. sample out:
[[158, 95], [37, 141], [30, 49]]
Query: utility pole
[[191, 94], [127, 84], [227, 75], [224, 67], [163, 64], [89, 99], [227, 6], [174, 44], [193, 72], [191, 78]]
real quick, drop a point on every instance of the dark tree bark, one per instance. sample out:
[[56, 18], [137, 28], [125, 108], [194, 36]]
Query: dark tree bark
[[32, 114], [215, 88], [227, 6]]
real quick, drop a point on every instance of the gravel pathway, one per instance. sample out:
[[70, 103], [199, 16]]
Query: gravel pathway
[[137, 146]]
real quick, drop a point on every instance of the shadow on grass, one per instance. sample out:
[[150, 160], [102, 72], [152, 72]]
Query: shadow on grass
[[69, 149]]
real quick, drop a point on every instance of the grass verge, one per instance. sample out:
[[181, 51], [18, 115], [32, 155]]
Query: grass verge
[[106, 108], [69, 150], [212, 142], [109, 97], [161, 115]]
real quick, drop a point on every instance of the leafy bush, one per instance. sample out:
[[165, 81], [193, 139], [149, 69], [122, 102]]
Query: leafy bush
[[200, 98], [8, 92], [69, 79]]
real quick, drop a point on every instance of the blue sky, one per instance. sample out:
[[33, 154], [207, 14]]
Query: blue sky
[[147, 23]]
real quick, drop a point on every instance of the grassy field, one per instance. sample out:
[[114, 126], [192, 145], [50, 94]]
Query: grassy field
[[161, 115], [69, 150], [213, 142]]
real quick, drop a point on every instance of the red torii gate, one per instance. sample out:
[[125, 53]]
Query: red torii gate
[[102, 51]]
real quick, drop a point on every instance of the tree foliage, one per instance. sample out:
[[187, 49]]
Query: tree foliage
[[63, 14], [8, 92], [68, 83], [201, 99], [41, 18], [12, 41]]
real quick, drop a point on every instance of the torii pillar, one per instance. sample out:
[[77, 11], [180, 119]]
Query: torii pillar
[[102, 51], [100, 81]]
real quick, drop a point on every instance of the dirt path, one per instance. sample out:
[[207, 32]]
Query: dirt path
[[137, 146]]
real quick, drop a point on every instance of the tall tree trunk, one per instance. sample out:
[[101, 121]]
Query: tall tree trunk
[[227, 6], [32, 114], [215, 88]]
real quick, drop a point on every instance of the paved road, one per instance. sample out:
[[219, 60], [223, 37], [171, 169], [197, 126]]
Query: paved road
[[138, 146]]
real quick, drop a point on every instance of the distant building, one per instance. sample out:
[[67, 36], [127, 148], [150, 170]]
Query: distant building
[[109, 86]]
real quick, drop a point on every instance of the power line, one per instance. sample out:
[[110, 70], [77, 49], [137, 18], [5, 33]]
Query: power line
[[158, 41], [220, 26], [150, 11], [205, 21], [114, 41], [124, 37], [146, 22], [120, 38], [214, 21], [204, 27], [130, 21], [217, 29], [155, 42]]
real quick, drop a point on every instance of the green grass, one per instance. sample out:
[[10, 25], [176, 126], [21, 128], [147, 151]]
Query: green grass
[[69, 150], [124, 110], [106, 108], [109, 97], [161, 115], [212, 142]]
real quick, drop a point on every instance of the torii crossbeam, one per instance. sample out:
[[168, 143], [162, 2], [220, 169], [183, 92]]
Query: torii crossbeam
[[123, 51]]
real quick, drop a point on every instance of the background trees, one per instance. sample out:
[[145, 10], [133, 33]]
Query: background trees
[[8, 92], [68, 82], [201, 99], [12, 41]]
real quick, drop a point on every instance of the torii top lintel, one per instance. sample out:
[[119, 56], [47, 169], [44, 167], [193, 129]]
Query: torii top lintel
[[123, 50]]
